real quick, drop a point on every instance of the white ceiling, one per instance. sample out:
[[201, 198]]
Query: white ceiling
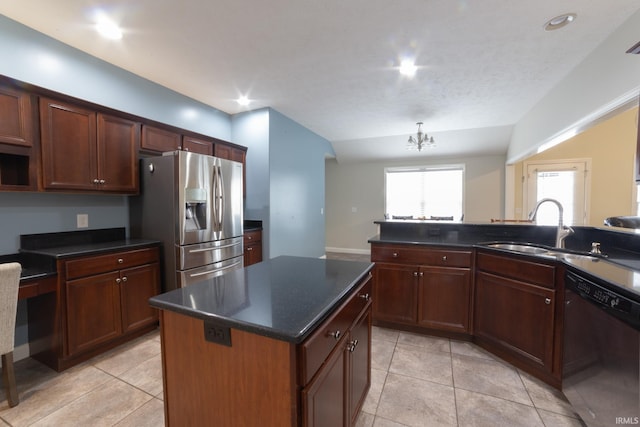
[[331, 65]]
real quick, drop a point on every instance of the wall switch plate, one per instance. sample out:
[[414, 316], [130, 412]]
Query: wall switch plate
[[82, 220]]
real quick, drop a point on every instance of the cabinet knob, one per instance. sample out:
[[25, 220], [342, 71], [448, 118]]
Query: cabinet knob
[[124, 279], [415, 274], [337, 334], [421, 274], [249, 249], [547, 301], [395, 255], [352, 345], [249, 237], [118, 280], [120, 260], [102, 181], [444, 258], [364, 297], [96, 181]]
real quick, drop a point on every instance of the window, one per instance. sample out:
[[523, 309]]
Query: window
[[425, 192], [565, 181]]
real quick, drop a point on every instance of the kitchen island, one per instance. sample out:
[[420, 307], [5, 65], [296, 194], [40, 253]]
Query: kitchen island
[[285, 342]]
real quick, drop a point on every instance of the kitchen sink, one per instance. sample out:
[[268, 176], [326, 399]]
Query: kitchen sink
[[529, 249], [542, 251]]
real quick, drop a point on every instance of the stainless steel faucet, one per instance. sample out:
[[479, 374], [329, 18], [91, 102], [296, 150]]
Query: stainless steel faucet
[[563, 230]]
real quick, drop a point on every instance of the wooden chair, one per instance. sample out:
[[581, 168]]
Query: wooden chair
[[9, 282]]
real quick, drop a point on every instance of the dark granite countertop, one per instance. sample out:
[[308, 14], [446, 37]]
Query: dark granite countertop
[[618, 269], [283, 298], [33, 267], [90, 248], [38, 252]]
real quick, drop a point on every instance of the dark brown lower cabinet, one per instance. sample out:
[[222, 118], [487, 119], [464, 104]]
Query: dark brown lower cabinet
[[422, 287], [517, 314], [336, 394], [101, 301]]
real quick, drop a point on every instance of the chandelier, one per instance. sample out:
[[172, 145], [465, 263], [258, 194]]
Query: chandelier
[[421, 140]]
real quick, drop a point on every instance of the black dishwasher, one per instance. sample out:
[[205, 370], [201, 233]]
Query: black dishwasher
[[601, 352]]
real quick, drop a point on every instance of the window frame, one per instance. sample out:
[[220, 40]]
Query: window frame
[[427, 168]]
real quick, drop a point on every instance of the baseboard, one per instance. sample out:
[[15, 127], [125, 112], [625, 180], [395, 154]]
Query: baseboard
[[349, 251], [20, 352]]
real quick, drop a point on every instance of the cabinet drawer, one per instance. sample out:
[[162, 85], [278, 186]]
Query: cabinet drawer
[[86, 266], [420, 255], [316, 349], [520, 269], [252, 237]]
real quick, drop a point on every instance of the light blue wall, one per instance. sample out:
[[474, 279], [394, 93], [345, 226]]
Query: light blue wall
[[285, 181], [251, 129], [297, 161]]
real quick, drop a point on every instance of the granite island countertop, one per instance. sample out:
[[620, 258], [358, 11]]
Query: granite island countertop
[[283, 298]]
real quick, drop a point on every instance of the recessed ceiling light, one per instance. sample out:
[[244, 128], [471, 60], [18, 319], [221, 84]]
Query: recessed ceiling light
[[559, 21], [108, 28], [408, 68], [243, 100]]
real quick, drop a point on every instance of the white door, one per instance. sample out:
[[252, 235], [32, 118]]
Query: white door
[[564, 181]]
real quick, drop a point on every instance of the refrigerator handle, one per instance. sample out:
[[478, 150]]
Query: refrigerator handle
[[219, 198], [215, 270]]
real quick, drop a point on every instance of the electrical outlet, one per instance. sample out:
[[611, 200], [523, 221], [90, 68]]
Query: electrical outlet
[[217, 334], [82, 220]]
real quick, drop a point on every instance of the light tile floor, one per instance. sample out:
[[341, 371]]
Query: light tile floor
[[416, 381]]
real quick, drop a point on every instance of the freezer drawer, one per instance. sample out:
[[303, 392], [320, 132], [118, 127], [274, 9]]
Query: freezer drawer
[[205, 272], [192, 256]]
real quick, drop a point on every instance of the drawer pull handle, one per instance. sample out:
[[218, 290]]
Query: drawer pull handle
[[395, 254], [118, 280], [352, 346], [547, 301], [364, 297], [120, 260], [336, 335]]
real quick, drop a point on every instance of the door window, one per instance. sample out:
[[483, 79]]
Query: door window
[[564, 181]]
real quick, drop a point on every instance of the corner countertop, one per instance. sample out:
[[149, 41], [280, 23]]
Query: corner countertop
[[283, 298]]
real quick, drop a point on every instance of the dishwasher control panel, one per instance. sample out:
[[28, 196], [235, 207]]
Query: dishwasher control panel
[[615, 304]]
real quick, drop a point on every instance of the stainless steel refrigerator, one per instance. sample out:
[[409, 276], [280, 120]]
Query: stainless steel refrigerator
[[192, 203]]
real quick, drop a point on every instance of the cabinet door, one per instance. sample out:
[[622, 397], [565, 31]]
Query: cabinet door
[[159, 140], [93, 311], [395, 293], [68, 146], [444, 298], [359, 364], [324, 398], [16, 124], [253, 254], [516, 316], [137, 285], [117, 146], [195, 145]]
